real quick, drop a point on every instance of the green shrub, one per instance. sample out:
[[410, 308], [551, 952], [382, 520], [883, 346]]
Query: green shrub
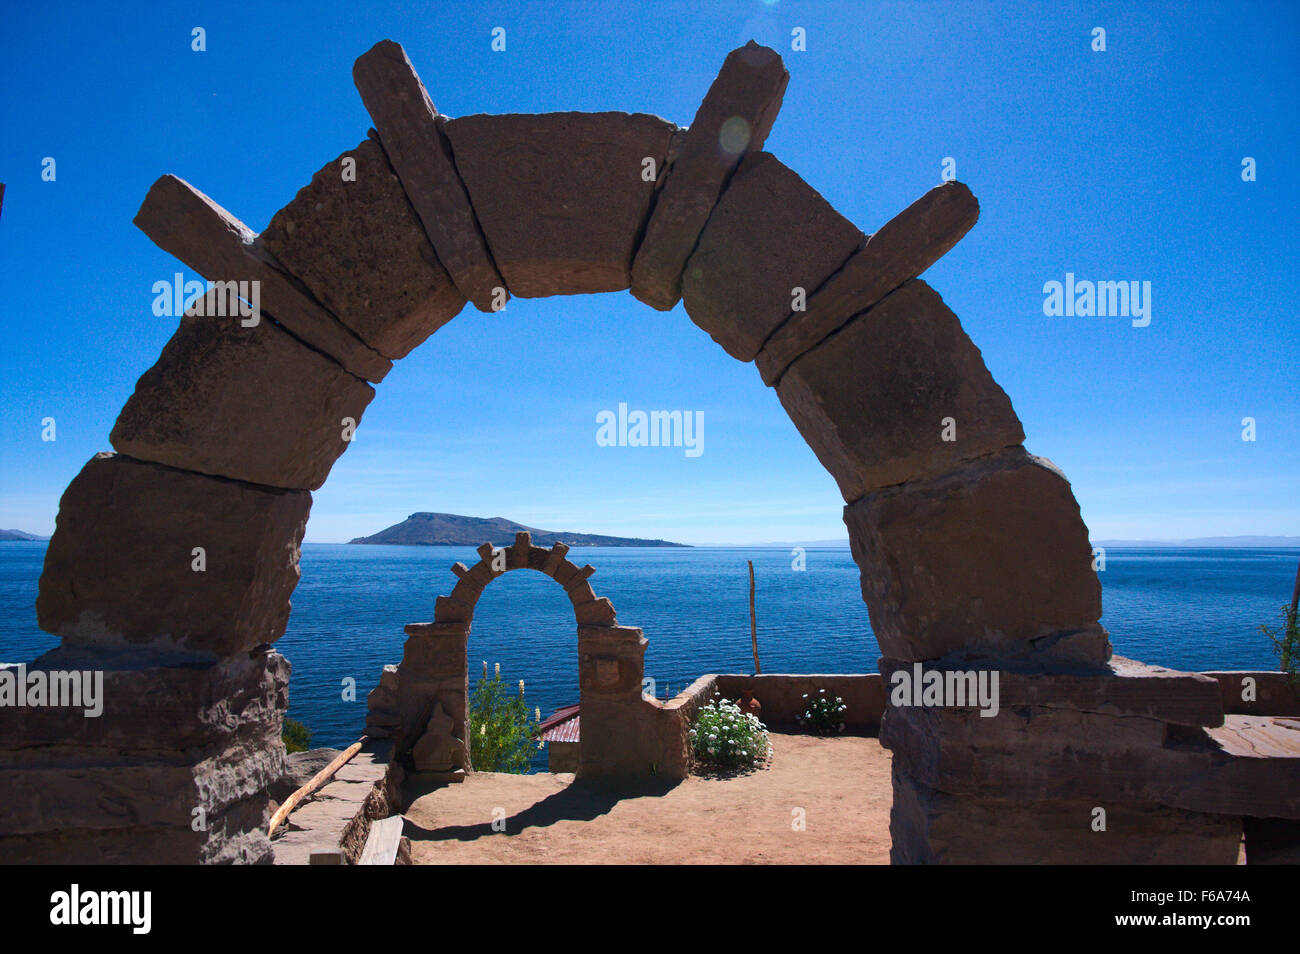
[[1286, 643], [725, 737], [823, 714], [501, 728], [297, 737]]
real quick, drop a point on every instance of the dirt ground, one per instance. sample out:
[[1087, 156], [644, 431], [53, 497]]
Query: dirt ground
[[839, 787]]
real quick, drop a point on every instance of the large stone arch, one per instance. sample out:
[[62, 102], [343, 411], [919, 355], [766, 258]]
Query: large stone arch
[[422, 704], [972, 551]]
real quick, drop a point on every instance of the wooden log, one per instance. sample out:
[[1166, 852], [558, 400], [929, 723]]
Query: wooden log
[[317, 780], [409, 130], [905, 246], [183, 221]]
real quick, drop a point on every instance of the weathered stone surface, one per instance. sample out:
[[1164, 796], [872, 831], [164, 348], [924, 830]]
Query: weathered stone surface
[[358, 245], [560, 196], [153, 704], [873, 401], [927, 826], [1268, 692], [1243, 768], [1121, 687], [118, 569], [769, 233], [986, 559], [904, 247], [185, 222], [735, 117], [410, 129], [438, 750], [252, 404], [174, 737]]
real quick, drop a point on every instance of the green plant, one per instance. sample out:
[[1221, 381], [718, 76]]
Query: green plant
[[823, 714], [297, 737], [725, 737], [1286, 643], [501, 728]]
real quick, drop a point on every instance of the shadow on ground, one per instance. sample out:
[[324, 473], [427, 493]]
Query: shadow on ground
[[581, 800]]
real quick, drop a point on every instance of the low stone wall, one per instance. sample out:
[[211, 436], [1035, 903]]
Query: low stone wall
[[1271, 692], [782, 696]]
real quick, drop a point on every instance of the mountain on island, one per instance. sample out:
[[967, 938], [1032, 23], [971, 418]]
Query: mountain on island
[[19, 535], [454, 530]]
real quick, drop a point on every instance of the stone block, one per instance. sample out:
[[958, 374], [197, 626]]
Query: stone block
[[735, 117], [410, 130], [928, 826], [251, 404], [119, 568], [183, 221], [561, 197], [991, 559], [769, 233], [357, 244], [898, 394], [904, 247]]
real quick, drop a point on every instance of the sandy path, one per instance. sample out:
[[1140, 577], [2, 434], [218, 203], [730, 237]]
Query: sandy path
[[841, 784]]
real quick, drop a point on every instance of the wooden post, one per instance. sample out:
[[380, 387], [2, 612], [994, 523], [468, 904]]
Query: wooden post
[[753, 620]]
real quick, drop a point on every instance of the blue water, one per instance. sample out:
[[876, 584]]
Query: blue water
[[1187, 609]]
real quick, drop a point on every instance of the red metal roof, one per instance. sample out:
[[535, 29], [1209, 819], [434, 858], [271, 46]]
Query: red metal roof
[[560, 727]]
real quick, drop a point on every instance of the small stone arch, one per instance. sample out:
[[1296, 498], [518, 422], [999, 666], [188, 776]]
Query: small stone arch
[[422, 704]]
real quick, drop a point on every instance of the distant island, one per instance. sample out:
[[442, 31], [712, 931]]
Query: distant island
[[19, 535], [1253, 542], [454, 530]]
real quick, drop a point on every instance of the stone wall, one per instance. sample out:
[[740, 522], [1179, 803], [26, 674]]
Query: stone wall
[[782, 697]]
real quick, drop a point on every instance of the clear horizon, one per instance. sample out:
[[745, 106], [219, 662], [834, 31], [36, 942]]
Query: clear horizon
[[1117, 165]]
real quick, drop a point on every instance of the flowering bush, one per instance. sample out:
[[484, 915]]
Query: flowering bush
[[823, 714], [728, 738], [501, 728]]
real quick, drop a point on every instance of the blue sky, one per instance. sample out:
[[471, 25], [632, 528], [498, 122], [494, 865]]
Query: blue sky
[[1122, 165]]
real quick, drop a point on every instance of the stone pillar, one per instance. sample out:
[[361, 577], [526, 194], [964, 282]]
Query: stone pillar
[[619, 736], [432, 700], [167, 588], [173, 769]]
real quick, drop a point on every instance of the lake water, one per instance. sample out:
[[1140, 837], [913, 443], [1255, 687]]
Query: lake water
[[1183, 608]]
